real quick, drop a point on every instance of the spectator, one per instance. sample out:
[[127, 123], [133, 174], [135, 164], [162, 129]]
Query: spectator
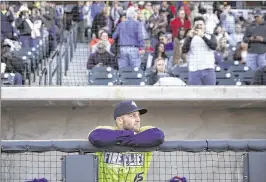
[[228, 19], [255, 36], [260, 76], [96, 8], [24, 25], [78, 17], [115, 13], [147, 12], [219, 32], [13, 65], [241, 52], [157, 23], [7, 17], [101, 57], [101, 21], [87, 19], [178, 57], [199, 48], [162, 77], [159, 53], [178, 22], [165, 8], [237, 36], [131, 39], [169, 45], [211, 20], [103, 38], [224, 54], [36, 27]]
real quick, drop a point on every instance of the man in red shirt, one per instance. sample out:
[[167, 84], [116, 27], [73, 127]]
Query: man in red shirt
[[178, 22]]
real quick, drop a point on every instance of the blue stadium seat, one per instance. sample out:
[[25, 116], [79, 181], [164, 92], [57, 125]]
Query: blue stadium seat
[[104, 69], [238, 69], [130, 69], [180, 72], [228, 82], [133, 78], [221, 75], [103, 78], [247, 77], [7, 78]]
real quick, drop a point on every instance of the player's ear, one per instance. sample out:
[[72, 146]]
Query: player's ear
[[119, 122]]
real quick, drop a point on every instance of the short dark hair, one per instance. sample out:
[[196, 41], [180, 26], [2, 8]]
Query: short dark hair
[[199, 18]]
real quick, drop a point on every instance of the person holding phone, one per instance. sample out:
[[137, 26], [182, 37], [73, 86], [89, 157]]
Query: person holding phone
[[199, 48], [255, 37]]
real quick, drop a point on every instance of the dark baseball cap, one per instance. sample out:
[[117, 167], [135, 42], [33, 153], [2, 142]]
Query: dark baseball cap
[[257, 12], [127, 107]]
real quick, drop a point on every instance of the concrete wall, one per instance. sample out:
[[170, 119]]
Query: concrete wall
[[178, 123]]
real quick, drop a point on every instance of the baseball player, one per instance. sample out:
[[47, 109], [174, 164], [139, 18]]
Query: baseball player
[[125, 166]]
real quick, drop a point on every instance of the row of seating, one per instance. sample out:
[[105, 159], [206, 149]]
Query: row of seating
[[239, 74]]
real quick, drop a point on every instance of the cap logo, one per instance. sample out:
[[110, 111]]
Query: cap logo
[[134, 104]]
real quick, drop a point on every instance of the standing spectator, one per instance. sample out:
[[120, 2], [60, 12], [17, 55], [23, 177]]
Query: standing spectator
[[157, 23], [7, 17], [165, 7], [228, 19], [87, 19], [131, 39], [115, 13], [100, 21], [178, 22], [77, 13], [199, 48], [24, 24], [255, 36], [178, 43], [237, 36], [211, 20]]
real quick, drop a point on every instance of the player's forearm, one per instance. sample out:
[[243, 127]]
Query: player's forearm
[[107, 137], [148, 138]]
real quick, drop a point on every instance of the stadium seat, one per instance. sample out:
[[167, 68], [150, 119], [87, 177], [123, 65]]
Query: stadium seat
[[229, 82], [7, 78], [180, 72], [130, 69], [132, 78], [103, 78], [247, 77], [237, 69], [221, 74], [105, 69]]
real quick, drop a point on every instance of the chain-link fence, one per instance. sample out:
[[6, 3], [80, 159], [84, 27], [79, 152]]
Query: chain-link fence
[[194, 160]]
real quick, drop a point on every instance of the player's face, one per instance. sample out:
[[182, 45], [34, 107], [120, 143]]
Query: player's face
[[131, 121]]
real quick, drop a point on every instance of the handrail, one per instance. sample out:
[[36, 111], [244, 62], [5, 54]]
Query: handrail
[[69, 146]]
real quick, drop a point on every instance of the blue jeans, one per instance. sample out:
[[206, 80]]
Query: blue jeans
[[129, 57], [256, 61], [202, 77]]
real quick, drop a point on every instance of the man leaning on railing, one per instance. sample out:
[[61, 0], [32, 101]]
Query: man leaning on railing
[[126, 166]]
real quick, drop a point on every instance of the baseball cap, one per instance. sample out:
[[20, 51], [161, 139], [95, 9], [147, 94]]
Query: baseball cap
[[127, 107], [257, 12]]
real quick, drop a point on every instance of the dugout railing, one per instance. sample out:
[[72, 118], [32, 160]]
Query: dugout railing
[[204, 160]]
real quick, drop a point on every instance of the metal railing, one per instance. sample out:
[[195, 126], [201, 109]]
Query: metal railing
[[206, 160]]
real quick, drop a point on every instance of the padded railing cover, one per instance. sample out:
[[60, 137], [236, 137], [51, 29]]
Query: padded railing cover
[[19, 146]]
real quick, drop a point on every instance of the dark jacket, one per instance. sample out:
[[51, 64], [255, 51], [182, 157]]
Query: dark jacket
[[6, 27], [260, 77], [13, 64], [23, 27], [256, 30], [105, 58], [99, 22]]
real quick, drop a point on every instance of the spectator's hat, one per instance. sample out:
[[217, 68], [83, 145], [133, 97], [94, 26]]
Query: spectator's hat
[[257, 12], [127, 107]]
